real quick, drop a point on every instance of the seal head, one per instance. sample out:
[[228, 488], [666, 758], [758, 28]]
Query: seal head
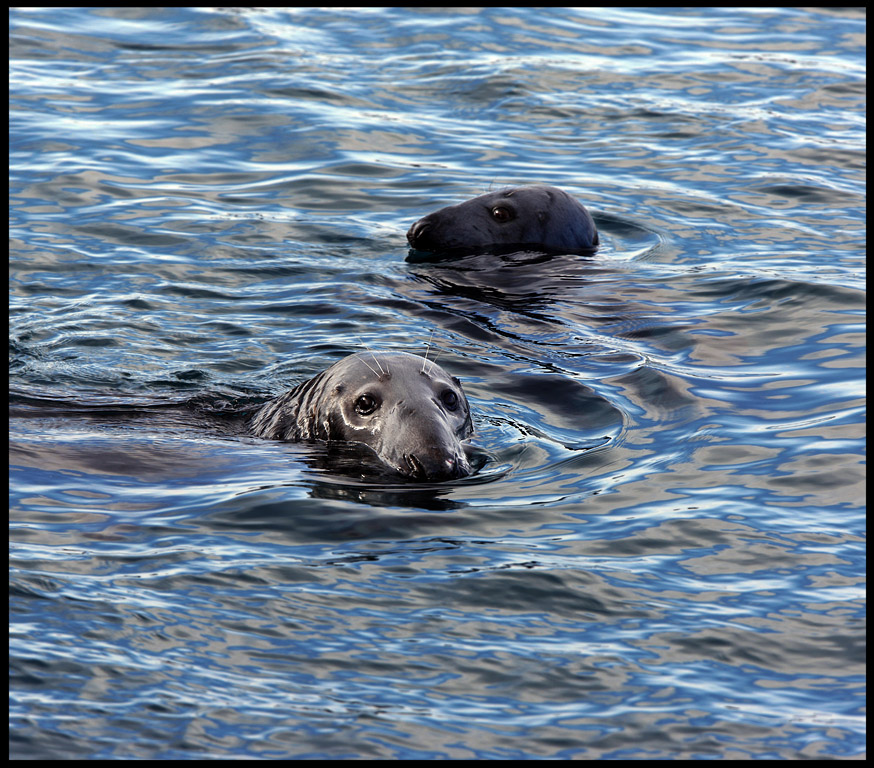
[[537, 217], [409, 411]]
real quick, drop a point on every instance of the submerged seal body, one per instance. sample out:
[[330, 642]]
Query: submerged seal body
[[536, 217], [408, 410]]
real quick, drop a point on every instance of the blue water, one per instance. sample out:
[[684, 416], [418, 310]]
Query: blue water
[[663, 556]]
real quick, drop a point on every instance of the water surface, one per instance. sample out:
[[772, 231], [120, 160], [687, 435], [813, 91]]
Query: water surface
[[663, 556]]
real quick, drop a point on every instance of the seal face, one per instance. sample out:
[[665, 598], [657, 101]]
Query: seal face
[[409, 411], [536, 217]]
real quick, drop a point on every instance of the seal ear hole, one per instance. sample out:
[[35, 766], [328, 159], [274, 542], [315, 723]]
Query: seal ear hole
[[366, 404], [503, 214], [450, 400]]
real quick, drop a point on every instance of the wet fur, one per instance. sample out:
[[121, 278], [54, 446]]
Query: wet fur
[[414, 431], [536, 217]]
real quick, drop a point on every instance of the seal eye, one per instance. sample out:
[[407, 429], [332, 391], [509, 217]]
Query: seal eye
[[365, 405], [502, 214], [450, 400]]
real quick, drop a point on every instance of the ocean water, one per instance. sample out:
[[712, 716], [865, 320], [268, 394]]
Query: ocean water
[[663, 555]]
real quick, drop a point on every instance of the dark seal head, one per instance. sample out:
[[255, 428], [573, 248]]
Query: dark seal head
[[408, 410], [537, 217]]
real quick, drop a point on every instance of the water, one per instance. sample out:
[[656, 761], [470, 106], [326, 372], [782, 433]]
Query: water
[[663, 556]]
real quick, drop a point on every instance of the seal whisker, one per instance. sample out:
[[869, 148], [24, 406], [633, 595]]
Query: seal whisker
[[427, 350], [434, 361], [386, 372], [369, 367], [381, 371]]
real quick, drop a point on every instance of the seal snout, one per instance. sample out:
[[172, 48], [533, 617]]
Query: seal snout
[[442, 468], [428, 440]]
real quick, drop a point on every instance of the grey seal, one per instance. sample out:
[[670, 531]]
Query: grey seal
[[536, 217], [409, 411]]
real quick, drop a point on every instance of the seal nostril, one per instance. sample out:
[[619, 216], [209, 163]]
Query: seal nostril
[[417, 471], [417, 231], [423, 467]]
